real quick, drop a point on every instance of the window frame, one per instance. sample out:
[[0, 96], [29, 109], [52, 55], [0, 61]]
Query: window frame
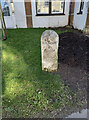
[[6, 12], [81, 7], [50, 13], [12, 5]]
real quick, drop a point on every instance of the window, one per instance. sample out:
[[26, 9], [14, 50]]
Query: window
[[43, 7], [46, 3], [81, 7], [5, 8], [55, 7], [12, 6]]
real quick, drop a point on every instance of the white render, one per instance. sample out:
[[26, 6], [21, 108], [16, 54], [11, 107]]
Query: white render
[[20, 15], [80, 19], [50, 21], [10, 20], [18, 19]]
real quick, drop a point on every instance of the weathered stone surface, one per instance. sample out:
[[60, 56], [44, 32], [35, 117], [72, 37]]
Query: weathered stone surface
[[49, 50]]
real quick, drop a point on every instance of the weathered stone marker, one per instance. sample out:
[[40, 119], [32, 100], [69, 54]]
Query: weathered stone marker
[[49, 50]]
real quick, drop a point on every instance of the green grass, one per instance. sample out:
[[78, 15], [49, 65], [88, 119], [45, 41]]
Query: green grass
[[0, 72], [27, 90]]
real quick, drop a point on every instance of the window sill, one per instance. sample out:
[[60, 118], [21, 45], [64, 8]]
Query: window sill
[[50, 14], [80, 13]]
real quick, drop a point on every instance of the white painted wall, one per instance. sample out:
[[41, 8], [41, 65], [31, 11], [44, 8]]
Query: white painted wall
[[18, 18], [49, 21], [10, 20], [20, 15], [80, 19]]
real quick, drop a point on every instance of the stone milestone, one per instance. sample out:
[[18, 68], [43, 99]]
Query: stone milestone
[[49, 50]]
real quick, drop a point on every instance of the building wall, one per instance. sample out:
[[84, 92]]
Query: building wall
[[17, 19], [28, 12], [20, 15], [10, 20], [49, 21], [80, 19]]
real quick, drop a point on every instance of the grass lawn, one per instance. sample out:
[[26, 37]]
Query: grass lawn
[[27, 90]]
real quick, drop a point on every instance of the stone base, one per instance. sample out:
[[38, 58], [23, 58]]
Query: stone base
[[50, 68]]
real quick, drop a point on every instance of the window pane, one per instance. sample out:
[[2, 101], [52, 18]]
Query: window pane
[[12, 7], [57, 6], [5, 8], [43, 6]]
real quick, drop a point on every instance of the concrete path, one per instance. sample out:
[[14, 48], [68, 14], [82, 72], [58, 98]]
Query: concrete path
[[84, 114]]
